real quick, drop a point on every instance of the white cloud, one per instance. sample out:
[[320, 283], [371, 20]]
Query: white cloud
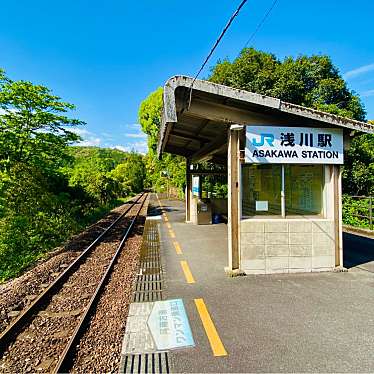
[[122, 148], [368, 93], [131, 126], [359, 71], [140, 147], [89, 139], [80, 131], [139, 135], [93, 142]]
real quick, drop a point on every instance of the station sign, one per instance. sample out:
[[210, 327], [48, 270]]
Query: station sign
[[293, 145], [195, 185]]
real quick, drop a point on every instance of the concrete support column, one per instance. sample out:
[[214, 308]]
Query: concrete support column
[[233, 199], [337, 174], [188, 192]]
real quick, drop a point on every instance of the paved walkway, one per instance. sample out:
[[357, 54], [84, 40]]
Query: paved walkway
[[320, 322]]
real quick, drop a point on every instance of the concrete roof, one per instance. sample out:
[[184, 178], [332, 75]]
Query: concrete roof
[[201, 129]]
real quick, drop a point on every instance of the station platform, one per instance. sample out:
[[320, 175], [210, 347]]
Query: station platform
[[315, 322]]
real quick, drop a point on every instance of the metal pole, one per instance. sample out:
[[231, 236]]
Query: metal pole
[[283, 195], [370, 212]]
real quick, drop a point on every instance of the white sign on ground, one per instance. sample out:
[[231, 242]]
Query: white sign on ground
[[293, 145], [169, 325], [156, 326], [154, 218]]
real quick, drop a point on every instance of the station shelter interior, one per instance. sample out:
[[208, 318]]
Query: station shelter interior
[[281, 217]]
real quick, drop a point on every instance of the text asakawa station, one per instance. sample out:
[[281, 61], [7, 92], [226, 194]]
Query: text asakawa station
[[283, 172]]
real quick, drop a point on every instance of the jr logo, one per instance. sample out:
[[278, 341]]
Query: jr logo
[[268, 137]]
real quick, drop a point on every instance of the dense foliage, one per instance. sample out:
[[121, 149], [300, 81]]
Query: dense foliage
[[358, 171], [91, 170], [357, 211], [311, 81], [170, 171], [34, 127], [48, 189]]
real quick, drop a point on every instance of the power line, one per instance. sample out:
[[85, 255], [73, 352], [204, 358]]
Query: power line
[[215, 46], [261, 23]]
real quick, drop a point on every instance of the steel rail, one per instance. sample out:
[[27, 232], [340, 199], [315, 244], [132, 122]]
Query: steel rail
[[66, 358], [14, 328]]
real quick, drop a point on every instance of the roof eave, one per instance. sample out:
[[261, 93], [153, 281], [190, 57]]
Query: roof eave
[[169, 115]]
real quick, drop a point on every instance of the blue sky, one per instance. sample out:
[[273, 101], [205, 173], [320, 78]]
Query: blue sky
[[107, 56]]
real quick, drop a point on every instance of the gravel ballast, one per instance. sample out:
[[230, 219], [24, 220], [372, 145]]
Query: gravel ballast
[[100, 347], [39, 346], [18, 293]]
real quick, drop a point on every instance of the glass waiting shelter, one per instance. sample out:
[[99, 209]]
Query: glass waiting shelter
[[301, 185], [283, 165]]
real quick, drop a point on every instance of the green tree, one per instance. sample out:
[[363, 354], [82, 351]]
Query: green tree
[[131, 173], [38, 214], [95, 182], [358, 173], [90, 171], [150, 118], [171, 169], [107, 157], [252, 71], [34, 127], [311, 81], [38, 210]]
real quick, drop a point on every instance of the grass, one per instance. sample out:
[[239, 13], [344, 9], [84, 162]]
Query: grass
[[21, 246]]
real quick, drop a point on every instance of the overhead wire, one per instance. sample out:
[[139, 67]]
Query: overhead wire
[[261, 23], [258, 27], [233, 16]]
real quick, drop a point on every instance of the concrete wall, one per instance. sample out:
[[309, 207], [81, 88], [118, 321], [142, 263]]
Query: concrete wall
[[287, 245], [193, 210]]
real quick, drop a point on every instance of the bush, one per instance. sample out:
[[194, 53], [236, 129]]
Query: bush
[[354, 210]]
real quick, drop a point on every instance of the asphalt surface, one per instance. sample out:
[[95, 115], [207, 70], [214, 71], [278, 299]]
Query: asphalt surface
[[358, 252], [315, 322]]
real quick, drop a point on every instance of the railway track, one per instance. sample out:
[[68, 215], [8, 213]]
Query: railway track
[[45, 336], [18, 294]]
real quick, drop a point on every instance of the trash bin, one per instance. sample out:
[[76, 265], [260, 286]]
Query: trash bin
[[204, 212], [216, 218]]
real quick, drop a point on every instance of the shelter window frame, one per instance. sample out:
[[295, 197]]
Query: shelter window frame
[[286, 198]]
